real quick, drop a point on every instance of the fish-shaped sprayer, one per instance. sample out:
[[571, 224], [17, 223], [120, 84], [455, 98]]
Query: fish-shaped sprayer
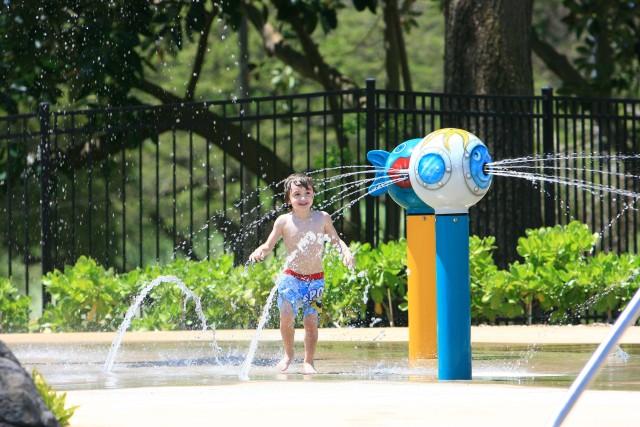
[[392, 176], [442, 172]]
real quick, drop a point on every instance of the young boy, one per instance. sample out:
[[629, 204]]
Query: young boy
[[303, 231]]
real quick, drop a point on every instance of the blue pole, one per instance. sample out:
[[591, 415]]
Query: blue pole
[[453, 296]]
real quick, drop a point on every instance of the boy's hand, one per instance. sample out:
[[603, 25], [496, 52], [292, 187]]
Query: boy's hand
[[349, 260], [257, 255]]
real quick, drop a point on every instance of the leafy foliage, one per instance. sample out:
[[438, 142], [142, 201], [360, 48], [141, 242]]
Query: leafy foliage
[[92, 49], [232, 296], [385, 268], [54, 400], [346, 290], [85, 297], [489, 297], [98, 52], [14, 309], [608, 50], [557, 276], [552, 257]]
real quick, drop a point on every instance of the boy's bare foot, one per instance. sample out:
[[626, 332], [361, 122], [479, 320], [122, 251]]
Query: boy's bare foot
[[309, 368], [283, 365]]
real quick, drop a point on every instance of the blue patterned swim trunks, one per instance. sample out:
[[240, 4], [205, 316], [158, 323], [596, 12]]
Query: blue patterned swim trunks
[[301, 291]]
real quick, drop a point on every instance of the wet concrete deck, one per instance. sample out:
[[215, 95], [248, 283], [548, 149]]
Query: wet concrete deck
[[591, 334], [348, 403], [305, 399]]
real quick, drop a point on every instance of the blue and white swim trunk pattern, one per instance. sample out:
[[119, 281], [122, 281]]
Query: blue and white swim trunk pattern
[[301, 291]]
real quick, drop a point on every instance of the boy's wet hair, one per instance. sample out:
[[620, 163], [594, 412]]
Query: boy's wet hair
[[299, 179]]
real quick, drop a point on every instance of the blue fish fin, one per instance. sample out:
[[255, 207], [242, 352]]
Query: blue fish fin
[[378, 158]]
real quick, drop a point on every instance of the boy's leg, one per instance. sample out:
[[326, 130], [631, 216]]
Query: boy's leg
[[287, 332], [310, 341]]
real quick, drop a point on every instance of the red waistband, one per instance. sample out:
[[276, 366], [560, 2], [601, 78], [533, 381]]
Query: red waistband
[[307, 277]]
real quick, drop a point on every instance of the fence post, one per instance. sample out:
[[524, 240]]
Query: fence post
[[45, 194], [548, 148], [370, 121]]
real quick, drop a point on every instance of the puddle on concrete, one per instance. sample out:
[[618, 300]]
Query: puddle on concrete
[[80, 366]]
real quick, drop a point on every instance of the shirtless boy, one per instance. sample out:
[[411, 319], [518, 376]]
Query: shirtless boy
[[304, 232]]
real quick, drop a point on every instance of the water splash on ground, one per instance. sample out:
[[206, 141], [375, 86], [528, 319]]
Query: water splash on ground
[[131, 311]]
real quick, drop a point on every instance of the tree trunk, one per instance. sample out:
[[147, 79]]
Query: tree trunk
[[488, 47], [396, 60], [397, 70], [488, 52], [391, 57]]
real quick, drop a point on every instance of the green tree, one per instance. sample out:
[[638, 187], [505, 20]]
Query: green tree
[[87, 52], [107, 53], [78, 53], [604, 60]]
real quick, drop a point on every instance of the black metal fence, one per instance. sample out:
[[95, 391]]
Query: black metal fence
[[140, 185]]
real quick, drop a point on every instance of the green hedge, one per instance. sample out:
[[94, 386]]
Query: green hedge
[[558, 275], [86, 297], [14, 309]]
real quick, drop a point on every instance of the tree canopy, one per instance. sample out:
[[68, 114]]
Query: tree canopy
[[94, 51], [604, 59], [97, 52], [84, 52]]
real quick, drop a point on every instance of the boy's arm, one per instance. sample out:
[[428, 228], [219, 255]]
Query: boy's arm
[[264, 249], [330, 230]]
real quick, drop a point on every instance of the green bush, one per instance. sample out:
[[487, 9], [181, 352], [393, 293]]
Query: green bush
[[232, 297], [237, 300], [553, 260], [607, 283], [385, 268], [558, 275], [346, 290], [85, 297], [14, 309], [491, 297]]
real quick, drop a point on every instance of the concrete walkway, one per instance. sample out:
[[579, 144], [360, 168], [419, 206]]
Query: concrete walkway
[[310, 401], [348, 403]]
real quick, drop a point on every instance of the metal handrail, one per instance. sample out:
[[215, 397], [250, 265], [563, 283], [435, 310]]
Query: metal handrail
[[588, 373]]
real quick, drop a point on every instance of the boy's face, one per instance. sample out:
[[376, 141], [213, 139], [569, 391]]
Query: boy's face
[[300, 197]]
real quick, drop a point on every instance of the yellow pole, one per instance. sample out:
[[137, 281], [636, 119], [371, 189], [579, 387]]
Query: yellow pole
[[421, 262]]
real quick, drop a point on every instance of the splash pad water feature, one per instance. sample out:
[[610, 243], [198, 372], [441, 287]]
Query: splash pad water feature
[[434, 161], [171, 378], [445, 176], [385, 366]]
